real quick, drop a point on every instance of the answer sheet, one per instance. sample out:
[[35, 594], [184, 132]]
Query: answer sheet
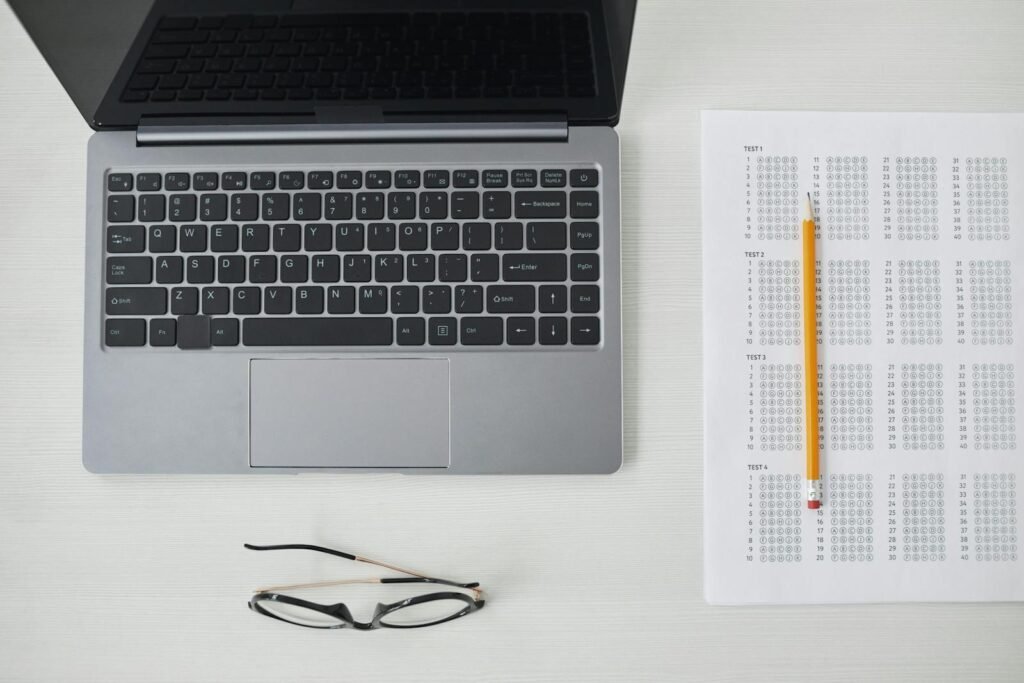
[[920, 265]]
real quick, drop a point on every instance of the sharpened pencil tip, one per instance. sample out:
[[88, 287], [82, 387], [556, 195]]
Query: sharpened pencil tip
[[808, 210]]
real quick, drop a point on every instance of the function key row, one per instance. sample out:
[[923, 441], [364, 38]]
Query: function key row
[[349, 180]]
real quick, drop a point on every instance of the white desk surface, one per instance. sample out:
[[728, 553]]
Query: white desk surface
[[145, 578]]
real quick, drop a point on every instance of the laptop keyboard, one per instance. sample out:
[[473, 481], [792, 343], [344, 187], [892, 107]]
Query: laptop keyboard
[[467, 257]]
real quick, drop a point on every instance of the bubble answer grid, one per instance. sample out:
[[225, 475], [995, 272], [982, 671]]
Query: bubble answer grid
[[917, 198], [778, 205], [988, 203], [848, 290], [780, 504], [851, 516], [782, 409], [778, 292], [993, 388], [850, 425], [845, 212], [920, 300], [921, 406], [995, 517], [924, 518], [991, 292]]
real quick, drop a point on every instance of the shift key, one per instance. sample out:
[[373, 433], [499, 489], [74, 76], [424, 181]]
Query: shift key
[[136, 300], [534, 267]]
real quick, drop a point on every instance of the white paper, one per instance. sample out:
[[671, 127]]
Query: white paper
[[921, 322]]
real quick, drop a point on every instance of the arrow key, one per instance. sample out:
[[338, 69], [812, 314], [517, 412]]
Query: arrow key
[[553, 331], [553, 299], [586, 331], [521, 331]]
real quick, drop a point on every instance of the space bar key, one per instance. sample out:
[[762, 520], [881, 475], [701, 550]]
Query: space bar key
[[317, 331]]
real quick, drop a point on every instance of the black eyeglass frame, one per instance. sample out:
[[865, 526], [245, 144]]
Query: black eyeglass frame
[[473, 600]]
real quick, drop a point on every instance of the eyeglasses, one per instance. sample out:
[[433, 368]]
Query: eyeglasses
[[416, 612]]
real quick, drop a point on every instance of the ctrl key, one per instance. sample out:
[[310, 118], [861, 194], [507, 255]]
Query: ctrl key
[[125, 332]]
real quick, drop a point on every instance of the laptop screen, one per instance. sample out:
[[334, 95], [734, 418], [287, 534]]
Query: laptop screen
[[124, 60]]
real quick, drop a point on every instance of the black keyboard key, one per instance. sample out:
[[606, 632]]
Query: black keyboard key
[[245, 207], [224, 332], [481, 331], [295, 268], [291, 180], [162, 239], [136, 300], [233, 180], [152, 208], [309, 300], [262, 180], [476, 236], [349, 237], [508, 236], [585, 298], [584, 204], [193, 238], [161, 332], [521, 331], [553, 331], [224, 238], [148, 182], [444, 236], [246, 300], [586, 331], [407, 180], [216, 300], [338, 206], [276, 206], [341, 300], [433, 205], [317, 332], [389, 268], [126, 239], [326, 268], [317, 237], [583, 177], [176, 182], [358, 268], [469, 299], [373, 299], [129, 270], [412, 236], [287, 237], [545, 236], [231, 269], [465, 205], [466, 179], [405, 299], [204, 182], [511, 299], [452, 267], [420, 268], [553, 299], [443, 331], [401, 205], [184, 301], [550, 177], [524, 177], [277, 300], [306, 206], [584, 236], [534, 267], [436, 180], [255, 237], [320, 180], [182, 208], [120, 209], [585, 267], [170, 270], [199, 269], [120, 182], [125, 333], [381, 237], [369, 206], [437, 299], [350, 180], [497, 205], [378, 180], [484, 268], [540, 204], [495, 178], [193, 331], [410, 331]]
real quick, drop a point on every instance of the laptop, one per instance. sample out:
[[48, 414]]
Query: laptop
[[349, 236]]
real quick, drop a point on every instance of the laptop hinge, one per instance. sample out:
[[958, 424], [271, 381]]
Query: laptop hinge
[[171, 132]]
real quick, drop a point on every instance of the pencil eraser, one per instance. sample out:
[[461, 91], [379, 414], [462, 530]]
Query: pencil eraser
[[813, 504]]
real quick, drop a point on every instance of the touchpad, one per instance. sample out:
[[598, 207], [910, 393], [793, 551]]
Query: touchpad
[[348, 413]]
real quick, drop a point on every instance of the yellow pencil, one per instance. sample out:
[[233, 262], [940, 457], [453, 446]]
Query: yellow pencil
[[811, 359]]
